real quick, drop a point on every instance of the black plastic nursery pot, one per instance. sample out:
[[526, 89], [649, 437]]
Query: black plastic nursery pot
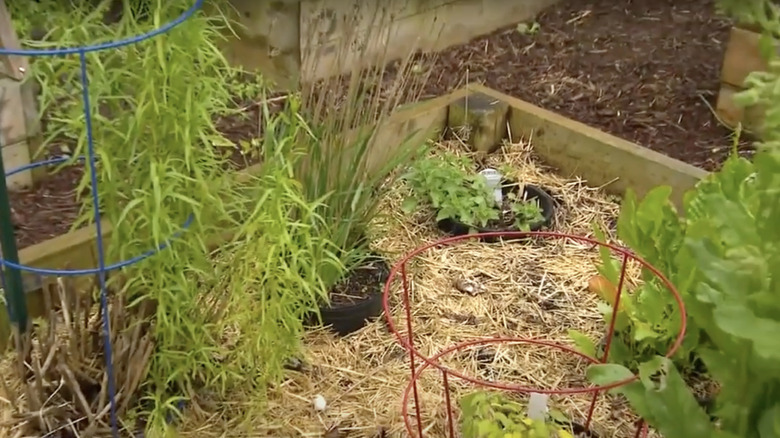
[[350, 315], [530, 193], [579, 430]]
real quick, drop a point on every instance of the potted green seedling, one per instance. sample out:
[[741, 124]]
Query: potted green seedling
[[466, 201]]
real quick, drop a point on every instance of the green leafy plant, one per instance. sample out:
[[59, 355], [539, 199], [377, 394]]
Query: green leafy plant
[[446, 182], [730, 244], [526, 212], [348, 158], [648, 320], [762, 13], [272, 266], [661, 398], [723, 263], [159, 164], [494, 415], [528, 29]]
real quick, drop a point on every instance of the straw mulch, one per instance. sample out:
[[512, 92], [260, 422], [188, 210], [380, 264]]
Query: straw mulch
[[533, 289], [54, 384]]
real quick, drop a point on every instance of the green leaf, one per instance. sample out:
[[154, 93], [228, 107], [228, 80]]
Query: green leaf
[[737, 320], [584, 344], [608, 373], [732, 220], [673, 409], [739, 276], [409, 205], [668, 406], [769, 424], [627, 226], [559, 417], [767, 45], [609, 268], [643, 331]]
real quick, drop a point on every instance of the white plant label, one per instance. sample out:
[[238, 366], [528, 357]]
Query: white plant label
[[493, 178], [537, 406]]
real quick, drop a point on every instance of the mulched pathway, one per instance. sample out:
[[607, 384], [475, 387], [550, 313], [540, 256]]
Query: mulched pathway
[[644, 70]]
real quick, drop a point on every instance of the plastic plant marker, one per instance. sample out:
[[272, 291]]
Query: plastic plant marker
[[537, 406], [494, 178]]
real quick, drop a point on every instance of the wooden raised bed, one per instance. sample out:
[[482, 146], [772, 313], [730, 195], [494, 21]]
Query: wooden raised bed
[[576, 149], [741, 58], [573, 148]]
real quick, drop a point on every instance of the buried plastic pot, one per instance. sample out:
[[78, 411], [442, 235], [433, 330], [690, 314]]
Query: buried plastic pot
[[530, 193], [358, 298]]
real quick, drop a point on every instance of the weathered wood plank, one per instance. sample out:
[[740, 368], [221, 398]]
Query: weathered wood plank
[[576, 149], [12, 66], [742, 57]]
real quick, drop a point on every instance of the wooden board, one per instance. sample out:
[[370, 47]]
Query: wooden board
[[732, 114], [742, 57], [576, 149], [12, 66]]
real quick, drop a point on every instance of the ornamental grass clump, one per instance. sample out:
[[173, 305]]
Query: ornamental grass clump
[[352, 150]]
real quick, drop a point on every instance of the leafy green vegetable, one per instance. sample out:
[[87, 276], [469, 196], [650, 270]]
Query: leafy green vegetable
[[648, 320], [447, 183], [721, 259], [660, 397], [493, 415], [443, 182]]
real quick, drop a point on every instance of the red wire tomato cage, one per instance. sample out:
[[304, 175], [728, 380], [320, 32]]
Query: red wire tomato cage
[[400, 272]]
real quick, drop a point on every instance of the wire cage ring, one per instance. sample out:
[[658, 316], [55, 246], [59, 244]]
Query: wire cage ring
[[400, 270]]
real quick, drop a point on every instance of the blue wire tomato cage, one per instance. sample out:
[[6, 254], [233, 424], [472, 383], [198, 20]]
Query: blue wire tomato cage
[[90, 160]]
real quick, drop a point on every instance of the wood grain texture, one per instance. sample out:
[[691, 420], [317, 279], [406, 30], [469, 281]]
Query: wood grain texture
[[742, 57], [576, 149], [11, 66]]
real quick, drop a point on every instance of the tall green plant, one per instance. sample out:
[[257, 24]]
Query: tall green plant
[[346, 159], [153, 104], [272, 267]]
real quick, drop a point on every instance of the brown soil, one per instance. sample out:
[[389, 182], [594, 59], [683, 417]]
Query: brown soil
[[362, 283], [643, 70], [47, 211]]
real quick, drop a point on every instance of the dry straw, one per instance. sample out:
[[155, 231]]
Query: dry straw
[[536, 289], [54, 383]]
